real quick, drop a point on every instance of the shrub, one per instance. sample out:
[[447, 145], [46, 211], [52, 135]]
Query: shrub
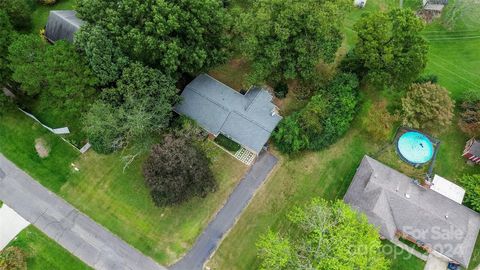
[[19, 12], [378, 123], [289, 137], [326, 117], [471, 183], [431, 78], [469, 121], [427, 106], [176, 171], [281, 90], [342, 98], [227, 143], [13, 258]]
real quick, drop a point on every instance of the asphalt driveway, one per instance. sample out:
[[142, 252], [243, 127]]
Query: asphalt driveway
[[211, 238], [73, 230]]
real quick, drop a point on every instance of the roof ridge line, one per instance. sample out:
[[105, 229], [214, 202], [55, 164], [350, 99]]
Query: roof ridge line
[[209, 99], [250, 120]]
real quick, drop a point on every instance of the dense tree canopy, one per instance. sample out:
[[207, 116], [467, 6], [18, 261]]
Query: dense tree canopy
[[173, 36], [324, 119], [427, 106], [471, 183], [139, 105], [19, 12], [390, 47], [287, 39], [176, 171], [57, 73], [6, 36], [323, 236], [104, 58]]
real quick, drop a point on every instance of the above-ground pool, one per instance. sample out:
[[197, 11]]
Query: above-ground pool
[[415, 147]]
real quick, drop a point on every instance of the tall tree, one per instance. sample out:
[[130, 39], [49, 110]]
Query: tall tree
[[390, 47], [287, 39], [104, 58], [173, 36], [57, 73], [140, 104], [6, 37], [323, 235], [19, 12], [176, 171], [471, 183], [427, 106]]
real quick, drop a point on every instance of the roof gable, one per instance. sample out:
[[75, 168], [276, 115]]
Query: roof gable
[[62, 24]]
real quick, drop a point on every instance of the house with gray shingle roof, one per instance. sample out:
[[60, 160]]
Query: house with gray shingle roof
[[246, 119], [398, 206], [472, 151], [62, 25]]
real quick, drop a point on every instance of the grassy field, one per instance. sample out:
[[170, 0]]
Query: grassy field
[[401, 260], [115, 198], [17, 142], [43, 253], [120, 201], [328, 173]]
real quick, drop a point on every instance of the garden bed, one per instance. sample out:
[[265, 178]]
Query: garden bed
[[227, 144]]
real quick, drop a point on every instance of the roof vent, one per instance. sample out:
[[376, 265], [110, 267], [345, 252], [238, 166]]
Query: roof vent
[[446, 216], [407, 195]]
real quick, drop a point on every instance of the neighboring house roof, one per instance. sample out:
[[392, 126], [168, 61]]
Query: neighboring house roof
[[475, 148], [246, 119], [62, 24], [393, 202]]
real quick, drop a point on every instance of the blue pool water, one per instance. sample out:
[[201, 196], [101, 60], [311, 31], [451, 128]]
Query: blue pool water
[[415, 147]]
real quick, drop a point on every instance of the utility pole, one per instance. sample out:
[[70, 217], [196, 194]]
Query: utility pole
[[401, 3]]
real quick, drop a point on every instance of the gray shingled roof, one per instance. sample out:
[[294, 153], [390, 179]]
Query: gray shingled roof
[[246, 119], [62, 24], [475, 148], [380, 193]]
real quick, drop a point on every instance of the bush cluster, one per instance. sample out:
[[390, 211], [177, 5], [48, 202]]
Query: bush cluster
[[324, 119]]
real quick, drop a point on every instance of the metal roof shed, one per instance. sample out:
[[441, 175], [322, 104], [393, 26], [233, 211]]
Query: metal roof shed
[[62, 25]]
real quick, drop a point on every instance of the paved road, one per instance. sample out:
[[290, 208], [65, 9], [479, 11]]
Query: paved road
[[210, 239], [73, 230]]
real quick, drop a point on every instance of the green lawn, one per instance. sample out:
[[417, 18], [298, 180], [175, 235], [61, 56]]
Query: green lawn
[[328, 173], [400, 259], [120, 201], [17, 142], [43, 253], [115, 198]]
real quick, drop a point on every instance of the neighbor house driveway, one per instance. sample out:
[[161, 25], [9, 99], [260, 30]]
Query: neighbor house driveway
[[210, 239], [11, 224], [77, 233]]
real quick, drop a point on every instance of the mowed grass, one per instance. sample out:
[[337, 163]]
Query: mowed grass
[[328, 173], [297, 180], [115, 198], [120, 201], [400, 259], [44, 254], [17, 142]]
